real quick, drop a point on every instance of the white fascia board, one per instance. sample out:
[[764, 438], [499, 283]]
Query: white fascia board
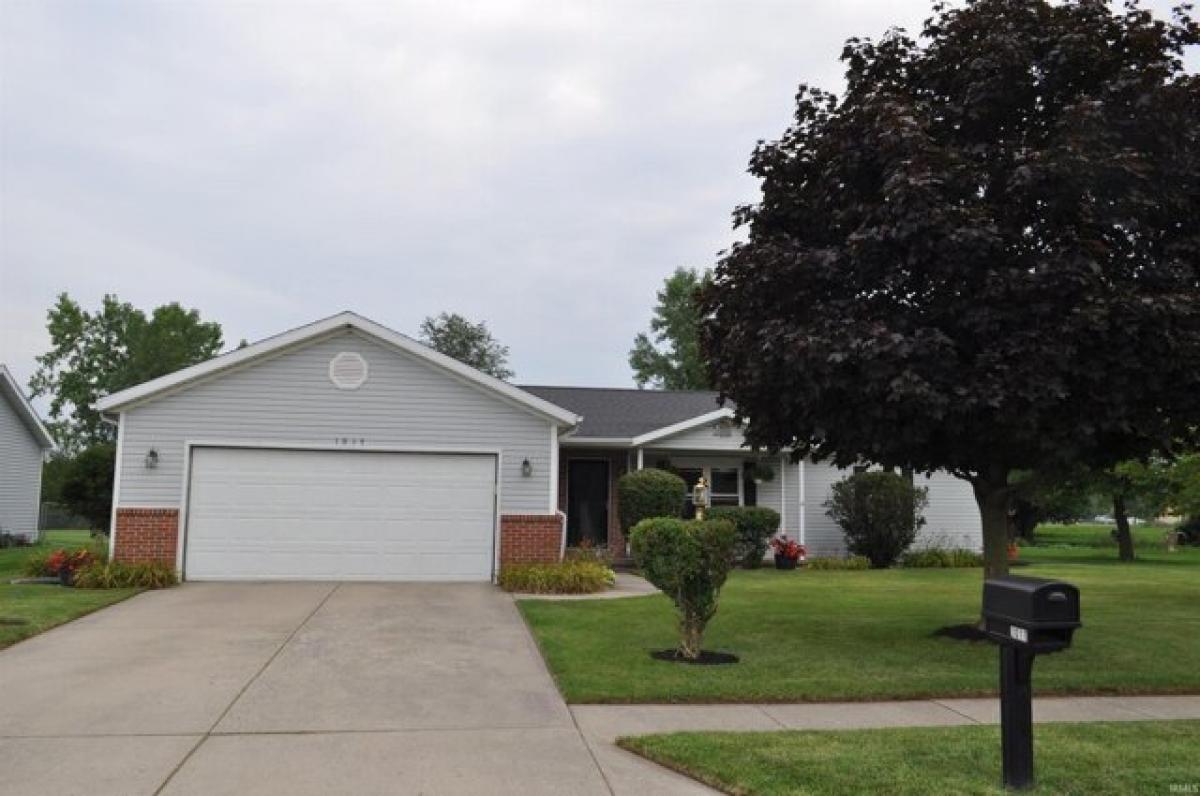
[[595, 442], [25, 409], [344, 320], [685, 425]]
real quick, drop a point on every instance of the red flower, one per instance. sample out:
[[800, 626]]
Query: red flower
[[788, 548]]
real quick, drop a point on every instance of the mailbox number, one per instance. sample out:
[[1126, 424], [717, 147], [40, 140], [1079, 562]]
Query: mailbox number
[[1019, 633]]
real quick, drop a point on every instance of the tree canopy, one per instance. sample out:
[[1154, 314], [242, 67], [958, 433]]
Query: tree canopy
[[469, 343], [983, 257], [93, 354], [669, 357]]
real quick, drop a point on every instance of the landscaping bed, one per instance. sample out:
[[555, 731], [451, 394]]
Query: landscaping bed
[[860, 635], [1095, 758], [29, 609]]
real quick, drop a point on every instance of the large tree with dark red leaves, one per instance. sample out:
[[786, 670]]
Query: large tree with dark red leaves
[[984, 256]]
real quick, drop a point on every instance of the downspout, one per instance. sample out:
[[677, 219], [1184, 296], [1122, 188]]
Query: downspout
[[112, 518]]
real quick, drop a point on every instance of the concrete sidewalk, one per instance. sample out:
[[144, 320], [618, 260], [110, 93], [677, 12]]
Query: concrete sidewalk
[[605, 723]]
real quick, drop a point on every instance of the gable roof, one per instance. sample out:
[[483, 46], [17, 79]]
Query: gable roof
[[23, 409], [156, 388], [626, 413]]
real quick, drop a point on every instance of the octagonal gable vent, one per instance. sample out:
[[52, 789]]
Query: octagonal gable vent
[[348, 371]]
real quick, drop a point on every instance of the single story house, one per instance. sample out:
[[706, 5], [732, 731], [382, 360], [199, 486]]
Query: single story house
[[343, 450], [23, 445]]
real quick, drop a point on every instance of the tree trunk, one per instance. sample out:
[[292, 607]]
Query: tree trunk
[[1124, 537], [691, 636], [991, 495]]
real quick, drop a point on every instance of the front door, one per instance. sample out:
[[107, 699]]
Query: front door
[[587, 502]]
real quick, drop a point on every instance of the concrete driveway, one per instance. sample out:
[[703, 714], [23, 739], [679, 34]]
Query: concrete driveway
[[299, 688]]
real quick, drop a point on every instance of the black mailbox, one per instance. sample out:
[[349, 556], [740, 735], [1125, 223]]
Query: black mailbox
[[1026, 617], [1034, 613]]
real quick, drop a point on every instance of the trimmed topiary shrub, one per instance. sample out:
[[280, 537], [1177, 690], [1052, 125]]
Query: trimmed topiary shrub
[[119, 575], [689, 561], [879, 513], [643, 494], [568, 577], [754, 526], [941, 558]]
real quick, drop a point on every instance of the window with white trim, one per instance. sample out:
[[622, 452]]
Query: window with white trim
[[724, 486]]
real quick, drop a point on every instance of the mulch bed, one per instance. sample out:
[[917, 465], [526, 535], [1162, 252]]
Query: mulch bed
[[707, 657], [970, 633]]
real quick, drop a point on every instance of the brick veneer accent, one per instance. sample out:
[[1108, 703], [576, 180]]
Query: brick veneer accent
[[530, 538], [145, 535]]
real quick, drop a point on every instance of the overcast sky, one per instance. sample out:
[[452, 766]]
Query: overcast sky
[[540, 166]]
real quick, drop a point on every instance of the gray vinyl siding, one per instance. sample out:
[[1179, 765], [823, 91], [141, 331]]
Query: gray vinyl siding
[[405, 403], [952, 517], [20, 473], [702, 438]]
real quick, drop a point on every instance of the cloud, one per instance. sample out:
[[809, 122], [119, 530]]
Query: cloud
[[542, 166]]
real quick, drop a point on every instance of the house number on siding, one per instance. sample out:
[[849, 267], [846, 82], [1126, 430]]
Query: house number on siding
[[350, 441]]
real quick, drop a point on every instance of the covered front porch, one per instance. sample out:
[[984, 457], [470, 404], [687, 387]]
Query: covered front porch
[[588, 486]]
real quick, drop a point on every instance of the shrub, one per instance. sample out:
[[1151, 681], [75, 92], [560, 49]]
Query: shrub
[[879, 513], [853, 562], [754, 526], [643, 494], [689, 561], [37, 565], [119, 575], [941, 558], [568, 577]]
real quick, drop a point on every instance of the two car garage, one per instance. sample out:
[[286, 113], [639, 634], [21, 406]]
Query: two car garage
[[272, 513], [341, 450]]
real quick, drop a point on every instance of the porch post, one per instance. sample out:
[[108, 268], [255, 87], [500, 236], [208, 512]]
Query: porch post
[[800, 477], [641, 459]]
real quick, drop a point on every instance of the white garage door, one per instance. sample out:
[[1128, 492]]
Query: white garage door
[[339, 515]]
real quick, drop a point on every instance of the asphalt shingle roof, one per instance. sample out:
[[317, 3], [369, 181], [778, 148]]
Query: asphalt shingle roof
[[615, 412]]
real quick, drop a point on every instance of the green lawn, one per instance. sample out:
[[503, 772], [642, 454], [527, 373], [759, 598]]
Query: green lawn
[[824, 636], [28, 610], [1103, 758], [1092, 534]]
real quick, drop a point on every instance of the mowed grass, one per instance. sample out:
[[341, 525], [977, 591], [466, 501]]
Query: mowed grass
[[1102, 758], [827, 636], [28, 610]]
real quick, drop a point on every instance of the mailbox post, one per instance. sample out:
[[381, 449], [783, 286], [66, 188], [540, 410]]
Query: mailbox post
[[1026, 617]]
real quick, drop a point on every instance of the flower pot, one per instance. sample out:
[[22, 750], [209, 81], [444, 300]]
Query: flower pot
[[783, 562]]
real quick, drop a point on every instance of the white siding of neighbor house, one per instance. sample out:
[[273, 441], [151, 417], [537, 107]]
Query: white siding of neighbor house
[[20, 473], [405, 403], [952, 517]]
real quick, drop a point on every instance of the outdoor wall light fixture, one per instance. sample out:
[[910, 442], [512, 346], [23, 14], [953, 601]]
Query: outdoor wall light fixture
[[151, 459], [526, 468]]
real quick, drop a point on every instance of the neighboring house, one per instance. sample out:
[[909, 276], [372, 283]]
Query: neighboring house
[[343, 450], [23, 445]]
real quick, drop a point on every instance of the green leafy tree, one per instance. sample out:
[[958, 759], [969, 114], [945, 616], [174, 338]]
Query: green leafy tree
[[87, 489], [669, 357], [469, 343], [983, 257], [96, 353], [1184, 476]]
